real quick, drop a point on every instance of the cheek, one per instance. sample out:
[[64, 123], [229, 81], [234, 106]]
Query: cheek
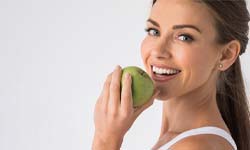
[[195, 57], [191, 60], [197, 66]]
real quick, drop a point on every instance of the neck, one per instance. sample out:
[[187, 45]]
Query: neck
[[196, 109]]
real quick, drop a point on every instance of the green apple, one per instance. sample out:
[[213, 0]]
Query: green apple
[[142, 85]]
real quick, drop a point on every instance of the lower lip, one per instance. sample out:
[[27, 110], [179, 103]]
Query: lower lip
[[162, 78]]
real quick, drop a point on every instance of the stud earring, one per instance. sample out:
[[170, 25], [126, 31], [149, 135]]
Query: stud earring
[[220, 65]]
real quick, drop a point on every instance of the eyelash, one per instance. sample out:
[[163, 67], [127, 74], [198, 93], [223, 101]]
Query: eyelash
[[149, 29], [186, 35]]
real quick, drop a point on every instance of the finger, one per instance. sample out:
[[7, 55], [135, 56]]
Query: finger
[[105, 91], [114, 92], [126, 94], [139, 110]]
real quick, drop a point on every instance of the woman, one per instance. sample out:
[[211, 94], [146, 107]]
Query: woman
[[192, 54]]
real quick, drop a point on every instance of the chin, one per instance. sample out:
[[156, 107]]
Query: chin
[[162, 97]]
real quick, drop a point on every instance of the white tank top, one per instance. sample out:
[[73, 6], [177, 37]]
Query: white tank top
[[197, 131]]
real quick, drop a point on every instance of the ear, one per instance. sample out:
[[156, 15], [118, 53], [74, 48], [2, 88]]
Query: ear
[[229, 54]]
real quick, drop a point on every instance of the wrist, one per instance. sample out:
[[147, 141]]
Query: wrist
[[100, 143]]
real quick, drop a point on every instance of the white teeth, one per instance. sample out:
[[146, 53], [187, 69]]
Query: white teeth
[[161, 71], [169, 71], [164, 71]]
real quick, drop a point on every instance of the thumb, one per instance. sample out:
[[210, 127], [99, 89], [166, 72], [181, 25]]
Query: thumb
[[140, 109]]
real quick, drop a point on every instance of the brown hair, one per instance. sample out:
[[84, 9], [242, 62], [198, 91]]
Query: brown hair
[[231, 22]]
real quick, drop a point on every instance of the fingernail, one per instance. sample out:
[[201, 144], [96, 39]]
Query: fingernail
[[117, 67]]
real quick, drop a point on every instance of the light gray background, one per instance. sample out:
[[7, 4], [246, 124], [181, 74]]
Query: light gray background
[[54, 58]]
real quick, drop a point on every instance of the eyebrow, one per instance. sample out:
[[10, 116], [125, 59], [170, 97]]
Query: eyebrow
[[176, 26]]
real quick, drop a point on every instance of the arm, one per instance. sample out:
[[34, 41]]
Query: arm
[[102, 144]]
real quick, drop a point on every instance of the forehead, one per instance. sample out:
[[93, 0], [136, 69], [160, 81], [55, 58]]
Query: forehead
[[168, 12]]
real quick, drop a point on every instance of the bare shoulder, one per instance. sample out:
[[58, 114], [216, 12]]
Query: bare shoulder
[[202, 142]]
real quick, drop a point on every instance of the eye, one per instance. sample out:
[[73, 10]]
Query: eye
[[185, 37], [152, 31]]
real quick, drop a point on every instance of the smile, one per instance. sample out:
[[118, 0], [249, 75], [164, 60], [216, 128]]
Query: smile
[[163, 74], [164, 71]]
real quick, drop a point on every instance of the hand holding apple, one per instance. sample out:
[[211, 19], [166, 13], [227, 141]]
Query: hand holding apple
[[142, 85], [114, 111]]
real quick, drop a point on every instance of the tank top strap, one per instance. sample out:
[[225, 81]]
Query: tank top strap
[[201, 130]]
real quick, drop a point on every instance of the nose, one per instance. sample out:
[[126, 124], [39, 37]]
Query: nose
[[161, 49]]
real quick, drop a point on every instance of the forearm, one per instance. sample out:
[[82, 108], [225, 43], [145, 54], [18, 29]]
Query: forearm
[[106, 144]]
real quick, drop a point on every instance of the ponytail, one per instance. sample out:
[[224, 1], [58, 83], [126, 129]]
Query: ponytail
[[234, 106]]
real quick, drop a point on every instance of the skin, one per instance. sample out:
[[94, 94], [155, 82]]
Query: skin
[[191, 100]]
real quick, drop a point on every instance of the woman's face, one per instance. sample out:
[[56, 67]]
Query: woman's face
[[180, 52]]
